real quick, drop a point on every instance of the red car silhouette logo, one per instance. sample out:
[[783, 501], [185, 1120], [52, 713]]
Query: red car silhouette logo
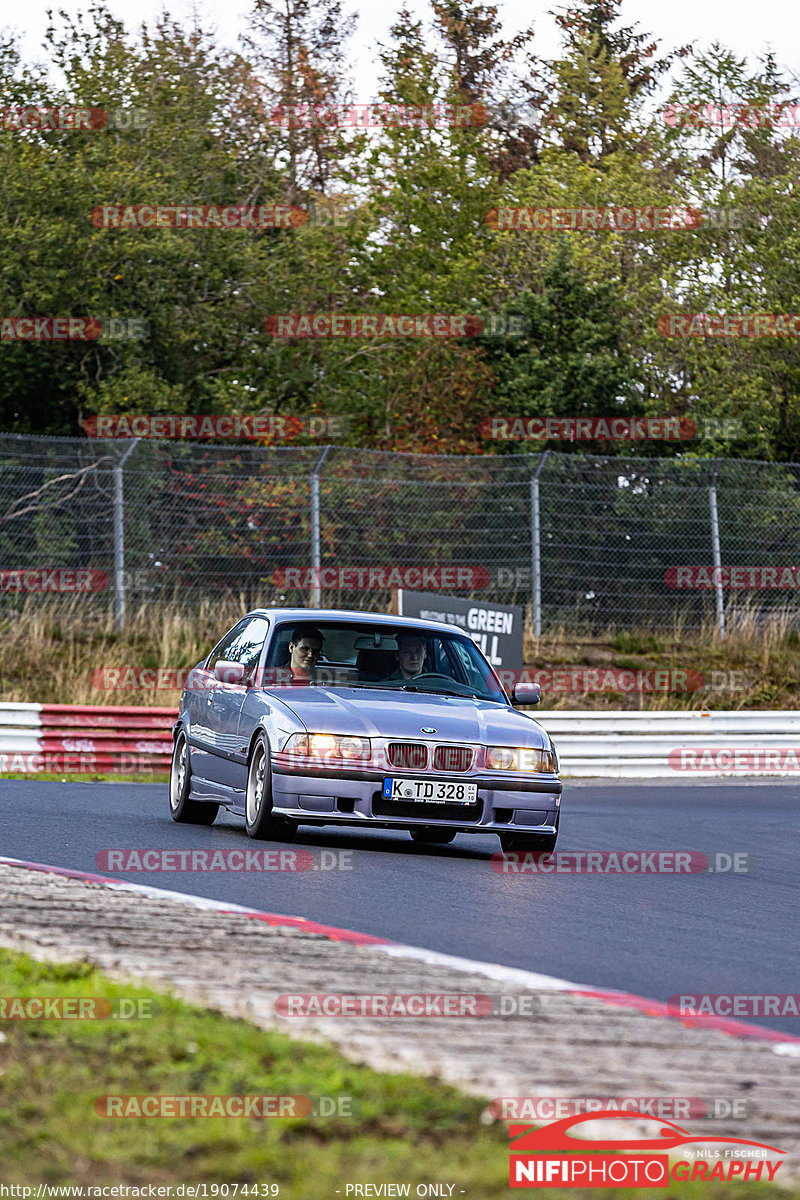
[[528, 1139]]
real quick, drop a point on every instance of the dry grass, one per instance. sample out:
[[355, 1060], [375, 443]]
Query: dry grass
[[50, 650], [757, 665], [53, 652]]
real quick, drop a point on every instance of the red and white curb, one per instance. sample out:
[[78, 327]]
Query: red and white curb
[[84, 738], [782, 1043]]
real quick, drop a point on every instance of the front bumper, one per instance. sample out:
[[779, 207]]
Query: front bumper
[[355, 797]]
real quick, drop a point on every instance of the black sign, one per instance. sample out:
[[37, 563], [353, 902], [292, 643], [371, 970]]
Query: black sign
[[496, 628]]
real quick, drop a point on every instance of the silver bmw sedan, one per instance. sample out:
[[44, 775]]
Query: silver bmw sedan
[[329, 717]]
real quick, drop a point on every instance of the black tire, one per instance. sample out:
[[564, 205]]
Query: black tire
[[259, 820], [530, 843], [433, 837], [181, 808]]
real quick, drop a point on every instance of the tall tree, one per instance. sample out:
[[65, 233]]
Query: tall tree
[[598, 86], [298, 47], [573, 356]]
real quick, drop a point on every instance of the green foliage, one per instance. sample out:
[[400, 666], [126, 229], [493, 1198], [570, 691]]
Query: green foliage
[[573, 357], [581, 132]]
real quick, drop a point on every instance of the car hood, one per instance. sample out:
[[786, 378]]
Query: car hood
[[392, 714]]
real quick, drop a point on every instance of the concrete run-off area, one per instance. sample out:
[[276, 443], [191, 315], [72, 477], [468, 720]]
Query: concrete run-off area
[[555, 1042]]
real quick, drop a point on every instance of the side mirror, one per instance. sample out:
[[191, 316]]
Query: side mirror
[[228, 672], [526, 693]]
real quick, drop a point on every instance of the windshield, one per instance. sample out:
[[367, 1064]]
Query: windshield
[[380, 657]]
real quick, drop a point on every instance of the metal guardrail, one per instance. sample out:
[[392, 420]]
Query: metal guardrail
[[36, 738], [676, 745], [78, 739]]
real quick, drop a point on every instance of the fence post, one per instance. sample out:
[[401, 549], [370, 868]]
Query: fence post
[[536, 549], [712, 497], [316, 555], [119, 538]]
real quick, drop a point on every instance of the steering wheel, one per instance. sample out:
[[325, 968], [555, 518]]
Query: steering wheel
[[432, 675]]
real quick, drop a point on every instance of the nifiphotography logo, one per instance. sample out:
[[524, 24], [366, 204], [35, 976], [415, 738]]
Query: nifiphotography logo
[[551, 1156]]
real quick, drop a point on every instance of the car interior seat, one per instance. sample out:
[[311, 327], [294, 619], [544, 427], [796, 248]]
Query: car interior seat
[[373, 665]]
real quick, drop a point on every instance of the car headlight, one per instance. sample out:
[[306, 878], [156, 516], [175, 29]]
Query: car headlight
[[521, 758], [327, 746]]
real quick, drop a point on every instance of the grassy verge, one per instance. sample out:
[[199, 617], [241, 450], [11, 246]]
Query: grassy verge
[[403, 1129], [55, 652]]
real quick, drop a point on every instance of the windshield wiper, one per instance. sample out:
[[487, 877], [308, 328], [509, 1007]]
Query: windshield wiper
[[410, 687], [363, 683]]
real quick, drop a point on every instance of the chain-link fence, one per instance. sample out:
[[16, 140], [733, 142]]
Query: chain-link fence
[[585, 542]]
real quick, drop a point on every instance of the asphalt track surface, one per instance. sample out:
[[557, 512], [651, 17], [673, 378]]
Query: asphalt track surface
[[653, 935]]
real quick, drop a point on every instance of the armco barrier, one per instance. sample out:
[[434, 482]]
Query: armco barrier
[[76, 738], [651, 745], [607, 744]]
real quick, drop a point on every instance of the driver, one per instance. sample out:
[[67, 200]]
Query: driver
[[304, 651], [410, 655]]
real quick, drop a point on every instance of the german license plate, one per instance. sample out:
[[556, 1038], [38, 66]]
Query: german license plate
[[430, 791]]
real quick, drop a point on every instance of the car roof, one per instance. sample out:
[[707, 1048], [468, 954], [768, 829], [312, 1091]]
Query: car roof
[[309, 616]]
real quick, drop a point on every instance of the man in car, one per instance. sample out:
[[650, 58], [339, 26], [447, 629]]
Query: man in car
[[304, 651], [410, 655]]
